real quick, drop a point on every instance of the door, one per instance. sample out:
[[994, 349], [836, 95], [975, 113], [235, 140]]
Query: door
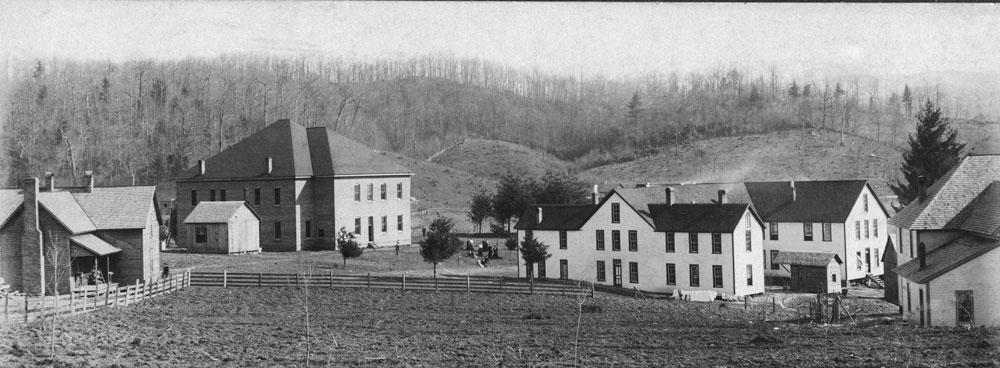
[[868, 259], [921, 310], [616, 267], [964, 310], [371, 229]]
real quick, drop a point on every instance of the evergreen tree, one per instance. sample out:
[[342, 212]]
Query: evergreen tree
[[513, 195], [479, 209], [634, 109], [440, 243], [933, 151], [560, 189], [908, 100], [533, 251]]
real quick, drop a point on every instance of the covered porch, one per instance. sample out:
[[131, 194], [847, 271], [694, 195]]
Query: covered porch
[[90, 261]]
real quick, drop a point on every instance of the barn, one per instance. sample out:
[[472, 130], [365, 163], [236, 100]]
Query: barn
[[812, 272], [223, 227]]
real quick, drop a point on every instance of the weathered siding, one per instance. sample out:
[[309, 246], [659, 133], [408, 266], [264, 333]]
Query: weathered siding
[[981, 276], [129, 265], [269, 212], [243, 232], [10, 253], [56, 253]]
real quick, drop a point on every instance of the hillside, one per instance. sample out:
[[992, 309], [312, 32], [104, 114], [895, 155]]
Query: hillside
[[493, 159], [810, 154]]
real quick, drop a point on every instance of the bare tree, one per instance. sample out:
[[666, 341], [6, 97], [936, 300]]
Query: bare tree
[[57, 257]]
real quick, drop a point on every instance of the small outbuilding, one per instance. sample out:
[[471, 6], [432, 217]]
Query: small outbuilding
[[812, 272], [223, 227]]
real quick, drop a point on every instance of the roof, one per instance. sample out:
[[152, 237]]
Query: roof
[[982, 215], [555, 217], [93, 244], [698, 217], [946, 258], [950, 194], [106, 208], [815, 201], [10, 201], [641, 198], [215, 212], [806, 258], [295, 151], [67, 211]]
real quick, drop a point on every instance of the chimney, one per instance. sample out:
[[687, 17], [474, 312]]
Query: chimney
[[269, 165], [670, 196], [792, 183], [32, 258], [539, 218], [922, 254], [922, 187], [88, 177], [201, 167], [723, 198], [50, 180], [595, 195]]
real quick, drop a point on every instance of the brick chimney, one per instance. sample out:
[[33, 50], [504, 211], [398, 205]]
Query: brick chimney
[[538, 218], [792, 184], [88, 178], [723, 198], [268, 165], [670, 196], [595, 195], [50, 181], [201, 167], [32, 258], [922, 254]]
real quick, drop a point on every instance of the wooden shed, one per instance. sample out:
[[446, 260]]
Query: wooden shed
[[812, 272], [223, 227]]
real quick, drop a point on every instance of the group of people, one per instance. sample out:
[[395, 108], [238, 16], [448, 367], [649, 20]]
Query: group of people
[[483, 252]]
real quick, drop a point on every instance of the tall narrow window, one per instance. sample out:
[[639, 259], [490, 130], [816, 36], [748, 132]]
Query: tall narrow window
[[964, 307], [616, 240], [749, 240], [772, 229], [399, 223], [749, 275], [308, 229], [357, 192], [357, 225], [399, 190], [256, 196], [371, 192], [807, 231], [875, 228], [716, 243], [211, 195], [222, 195], [716, 276], [277, 230], [866, 229], [774, 265], [383, 191], [671, 274], [877, 260], [277, 196], [671, 245], [599, 239], [857, 230], [562, 239], [864, 201], [616, 213], [194, 197], [827, 231], [563, 269], [692, 242], [693, 275], [385, 223], [633, 272], [633, 241], [600, 272], [541, 269], [746, 220]]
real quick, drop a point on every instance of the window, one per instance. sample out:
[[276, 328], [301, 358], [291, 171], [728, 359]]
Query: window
[[541, 269], [857, 230], [562, 239], [357, 225], [277, 230], [599, 234], [670, 243], [194, 197], [716, 276], [308, 229], [750, 275], [371, 228], [833, 277], [693, 271], [827, 232], [633, 241], [864, 201], [671, 274], [246, 198], [256, 196], [371, 192], [774, 265], [807, 231], [692, 242], [860, 262], [383, 191], [222, 195], [563, 269], [616, 213], [399, 190], [211, 195], [866, 229], [277, 196], [399, 223], [746, 220], [616, 240], [749, 240], [633, 272], [357, 192], [385, 223], [200, 234], [772, 229], [875, 228], [600, 271], [965, 313], [716, 243], [319, 233], [877, 260]]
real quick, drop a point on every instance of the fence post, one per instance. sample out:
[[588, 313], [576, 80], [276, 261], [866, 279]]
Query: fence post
[[260, 276], [25, 308], [774, 305], [107, 292], [225, 278], [591, 289], [331, 278], [531, 283], [369, 281], [404, 281], [468, 284], [746, 300], [501, 284]]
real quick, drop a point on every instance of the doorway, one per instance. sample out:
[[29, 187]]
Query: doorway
[[616, 267], [868, 259], [371, 229]]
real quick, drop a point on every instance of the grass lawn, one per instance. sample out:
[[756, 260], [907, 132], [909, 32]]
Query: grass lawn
[[237, 327]]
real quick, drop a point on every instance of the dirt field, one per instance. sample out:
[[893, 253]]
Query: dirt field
[[208, 327]]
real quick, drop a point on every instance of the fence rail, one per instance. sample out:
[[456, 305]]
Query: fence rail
[[469, 284], [17, 309]]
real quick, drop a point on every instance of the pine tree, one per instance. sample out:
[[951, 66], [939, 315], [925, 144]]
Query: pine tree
[[533, 251], [933, 151], [440, 244]]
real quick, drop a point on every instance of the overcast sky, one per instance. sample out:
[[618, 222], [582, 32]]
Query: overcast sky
[[610, 39]]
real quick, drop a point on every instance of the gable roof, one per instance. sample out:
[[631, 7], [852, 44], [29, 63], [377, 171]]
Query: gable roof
[[555, 217], [982, 215], [94, 245], [950, 194], [806, 258], [67, 211], [946, 258], [106, 208], [295, 151], [10, 202], [699, 217], [216, 212], [815, 200]]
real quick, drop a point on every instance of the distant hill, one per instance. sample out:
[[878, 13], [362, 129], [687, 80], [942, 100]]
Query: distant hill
[[493, 159]]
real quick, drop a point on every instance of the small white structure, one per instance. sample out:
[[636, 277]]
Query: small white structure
[[812, 272], [223, 227]]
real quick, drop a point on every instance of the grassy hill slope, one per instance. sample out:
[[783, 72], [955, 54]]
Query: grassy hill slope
[[493, 159]]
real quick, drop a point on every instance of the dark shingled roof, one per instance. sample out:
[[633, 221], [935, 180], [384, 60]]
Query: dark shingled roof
[[950, 194], [215, 212], [296, 151], [815, 201], [555, 217], [106, 208], [806, 258], [946, 258], [698, 217], [982, 215]]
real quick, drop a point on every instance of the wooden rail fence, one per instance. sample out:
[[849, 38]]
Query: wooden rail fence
[[501, 285], [17, 309]]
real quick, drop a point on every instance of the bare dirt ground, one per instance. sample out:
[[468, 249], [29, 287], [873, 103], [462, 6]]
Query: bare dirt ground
[[210, 327]]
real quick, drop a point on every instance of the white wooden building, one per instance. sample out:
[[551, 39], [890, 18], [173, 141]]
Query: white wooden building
[[223, 227]]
